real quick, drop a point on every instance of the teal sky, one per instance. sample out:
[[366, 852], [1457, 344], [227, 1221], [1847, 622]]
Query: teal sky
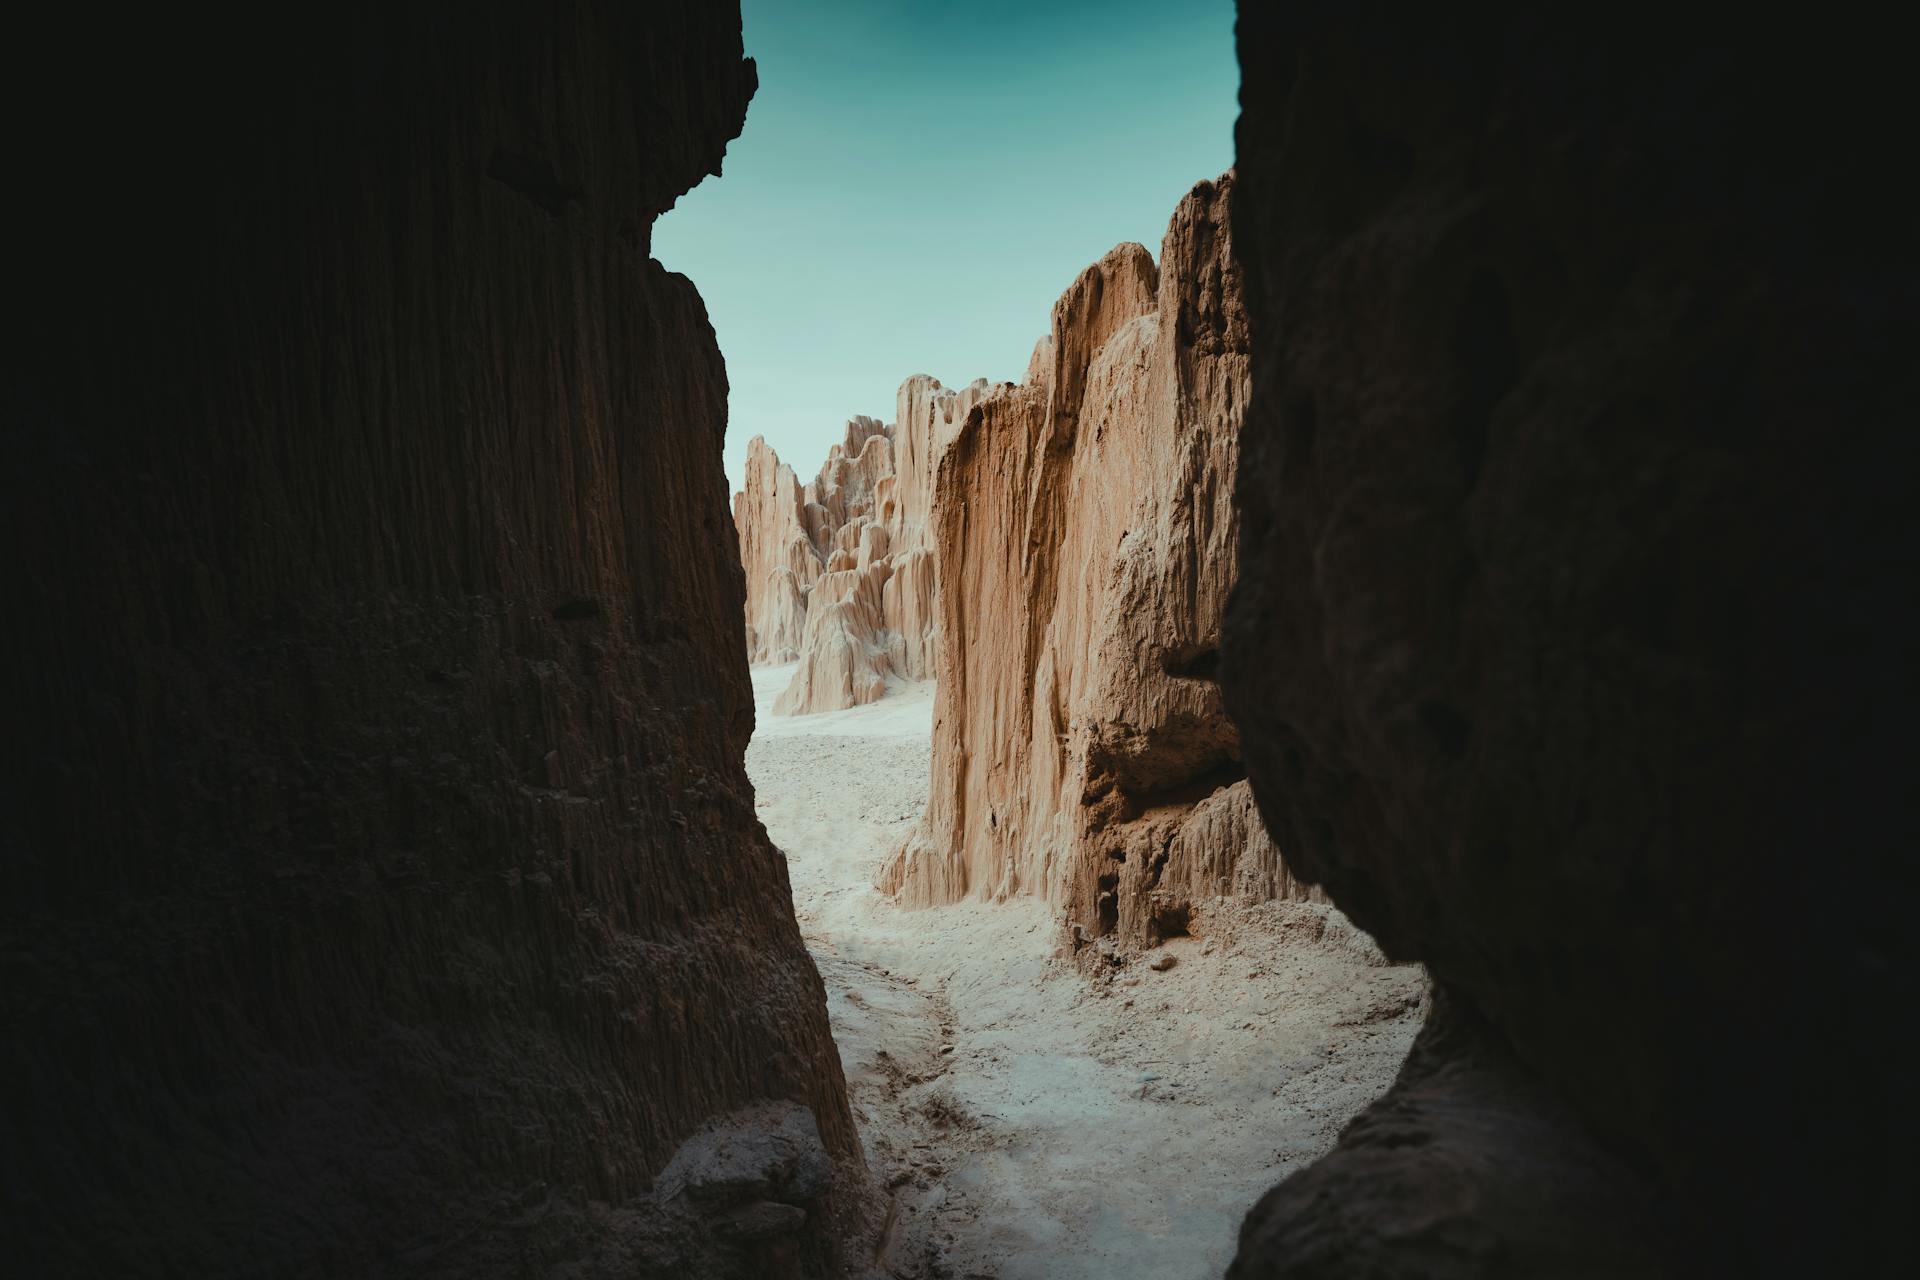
[[919, 180]]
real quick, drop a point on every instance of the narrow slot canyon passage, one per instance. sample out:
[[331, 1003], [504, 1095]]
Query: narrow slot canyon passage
[[1085, 1012], [1031, 1122], [1370, 739]]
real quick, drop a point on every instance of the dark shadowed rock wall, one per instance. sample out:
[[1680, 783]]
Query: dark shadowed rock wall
[[1574, 623], [383, 891]]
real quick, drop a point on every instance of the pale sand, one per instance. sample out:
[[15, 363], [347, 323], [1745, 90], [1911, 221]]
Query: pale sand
[[1104, 1129]]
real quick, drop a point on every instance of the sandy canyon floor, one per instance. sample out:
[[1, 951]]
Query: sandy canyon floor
[[1029, 1121]]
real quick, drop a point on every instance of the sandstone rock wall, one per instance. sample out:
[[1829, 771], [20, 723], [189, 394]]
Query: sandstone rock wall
[[849, 573], [1573, 646], [1085, 538], [778, 553], [926, 419], [384, 892]]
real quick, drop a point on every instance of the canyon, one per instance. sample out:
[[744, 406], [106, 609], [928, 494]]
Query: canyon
[[1083, 522], [1452, 609], [1036, 941]]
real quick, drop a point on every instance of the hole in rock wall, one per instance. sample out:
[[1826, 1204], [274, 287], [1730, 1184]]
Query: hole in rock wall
[[1196, 664], [1170, 919]]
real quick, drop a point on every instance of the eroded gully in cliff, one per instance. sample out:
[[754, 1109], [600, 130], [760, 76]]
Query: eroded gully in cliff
[[1025, 1120]]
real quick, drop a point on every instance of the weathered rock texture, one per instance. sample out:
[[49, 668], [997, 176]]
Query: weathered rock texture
[[845, 570], [1574, 624], [1085, 537], [778, 553], [384, 893]]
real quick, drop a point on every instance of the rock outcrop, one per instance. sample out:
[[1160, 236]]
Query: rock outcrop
[[384, 891], [847, 573], [1573, 646], [843, 637], [778, 553], [1083, 528]]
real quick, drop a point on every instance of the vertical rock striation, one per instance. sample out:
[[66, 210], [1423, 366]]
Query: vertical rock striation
[[1573, 645], [847, 568], [778, 554], [1085, 536], [843, 638], [927, 418], [384, 888]]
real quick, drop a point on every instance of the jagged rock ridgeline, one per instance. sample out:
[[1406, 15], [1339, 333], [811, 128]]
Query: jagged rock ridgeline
[[1083, 527], [778, 555], [1573, 649], [384, 891], [843, 648], [841, 575]]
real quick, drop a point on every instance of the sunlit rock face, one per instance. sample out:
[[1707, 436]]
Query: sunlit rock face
[[1566, 653], [1084, 531], [385, 893], [844, 632], [847, 570], [778, 553]]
